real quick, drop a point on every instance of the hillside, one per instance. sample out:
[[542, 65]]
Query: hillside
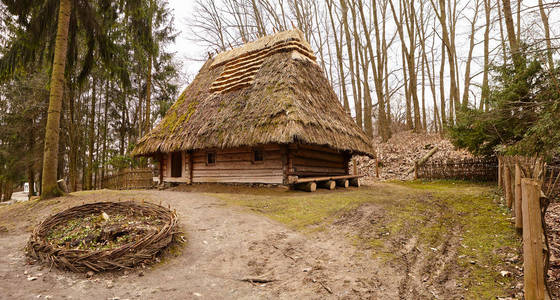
[[401, 151]]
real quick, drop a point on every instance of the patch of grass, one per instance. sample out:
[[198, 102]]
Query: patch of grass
[[301, 210], [431, 212], [486, 234]]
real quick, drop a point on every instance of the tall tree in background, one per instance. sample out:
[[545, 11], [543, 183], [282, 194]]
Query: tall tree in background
[[50, 157]]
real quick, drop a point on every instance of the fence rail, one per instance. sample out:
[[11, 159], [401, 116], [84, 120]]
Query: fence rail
[[129, 179], [476, 169]]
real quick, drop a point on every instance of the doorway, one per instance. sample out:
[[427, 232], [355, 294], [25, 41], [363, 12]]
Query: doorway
[[176, 164]]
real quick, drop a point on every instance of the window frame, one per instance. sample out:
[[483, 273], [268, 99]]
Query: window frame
[[213, 153], [254, 155]]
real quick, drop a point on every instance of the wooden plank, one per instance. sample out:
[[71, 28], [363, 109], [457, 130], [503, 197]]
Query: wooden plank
[[176, 179], [284, 150], [313, 179], [238, 156], [507, 187], [190, 167], [240, 165], [518, 200], [269, 180], [533, 262], [238, 173]]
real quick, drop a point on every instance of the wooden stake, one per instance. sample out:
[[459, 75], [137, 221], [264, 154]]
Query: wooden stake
[[507, 187], [330, 184], [518, 201], [355, 166], [307, 186], [499, 171], [533, 262], [377, 164]]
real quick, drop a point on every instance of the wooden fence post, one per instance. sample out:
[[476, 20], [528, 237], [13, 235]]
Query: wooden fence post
[[533, 262], [507, 186], [499, 171], [518, 201]]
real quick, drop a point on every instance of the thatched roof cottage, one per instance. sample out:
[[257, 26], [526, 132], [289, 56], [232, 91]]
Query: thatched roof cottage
[[260, 113]]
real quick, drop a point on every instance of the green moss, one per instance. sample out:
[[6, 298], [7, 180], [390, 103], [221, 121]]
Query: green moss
[[430, 213]]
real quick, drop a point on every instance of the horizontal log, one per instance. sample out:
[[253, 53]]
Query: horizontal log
[[329, 184], [320, 170], [355, 182], [343, 183], [239, 165], [332, 157], [318, 148], [238, 173], [309, 162], [315, 174], [266, 147], [269, 180], [307, 186], [313, 179], [246, 156]]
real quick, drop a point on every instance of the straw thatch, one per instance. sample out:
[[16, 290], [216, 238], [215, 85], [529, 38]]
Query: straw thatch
[[128, 255], [268, 91]]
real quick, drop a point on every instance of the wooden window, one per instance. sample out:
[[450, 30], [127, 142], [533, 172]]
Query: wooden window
[[258, 155], [210, 158]]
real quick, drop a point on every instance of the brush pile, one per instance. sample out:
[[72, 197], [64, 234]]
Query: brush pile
[[553, 232], [103, 236], [398, 155]]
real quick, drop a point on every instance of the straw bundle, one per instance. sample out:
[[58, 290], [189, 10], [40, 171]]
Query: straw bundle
[[141, 251]]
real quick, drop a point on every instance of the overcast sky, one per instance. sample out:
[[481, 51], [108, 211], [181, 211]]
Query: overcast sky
[[187, 51], [190, 53]]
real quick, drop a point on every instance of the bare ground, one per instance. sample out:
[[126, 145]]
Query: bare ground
[[228, 243], [225, 245]]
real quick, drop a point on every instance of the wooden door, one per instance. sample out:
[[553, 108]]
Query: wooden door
[[176, 164]]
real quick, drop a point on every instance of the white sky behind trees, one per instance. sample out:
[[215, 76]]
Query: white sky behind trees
[[193, 53]]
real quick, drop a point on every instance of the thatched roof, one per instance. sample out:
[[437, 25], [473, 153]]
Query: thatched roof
[[267, 91]]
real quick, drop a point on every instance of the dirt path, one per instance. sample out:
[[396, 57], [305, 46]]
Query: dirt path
[[225, 244]]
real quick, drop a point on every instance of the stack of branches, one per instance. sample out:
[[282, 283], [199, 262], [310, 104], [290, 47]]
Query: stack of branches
[[141, 251]]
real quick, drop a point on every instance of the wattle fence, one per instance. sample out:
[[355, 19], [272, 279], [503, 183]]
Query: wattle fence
[[129, 179], [475, 169]]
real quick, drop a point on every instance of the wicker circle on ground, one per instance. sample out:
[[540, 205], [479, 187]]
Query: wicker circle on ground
[[128, 255]]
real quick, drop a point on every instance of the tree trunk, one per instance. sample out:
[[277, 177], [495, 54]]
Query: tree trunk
[[91, 138], [50, 158], [357, 101], [485, 85], [442, 87], [339, 61], [147, 118], [467, 81], [30, 171], [104, 151], [513, 43], [544, 18]]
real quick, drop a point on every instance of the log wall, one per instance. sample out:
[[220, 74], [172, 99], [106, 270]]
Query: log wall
[[236, 165], [282, 164], [310, 161]]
